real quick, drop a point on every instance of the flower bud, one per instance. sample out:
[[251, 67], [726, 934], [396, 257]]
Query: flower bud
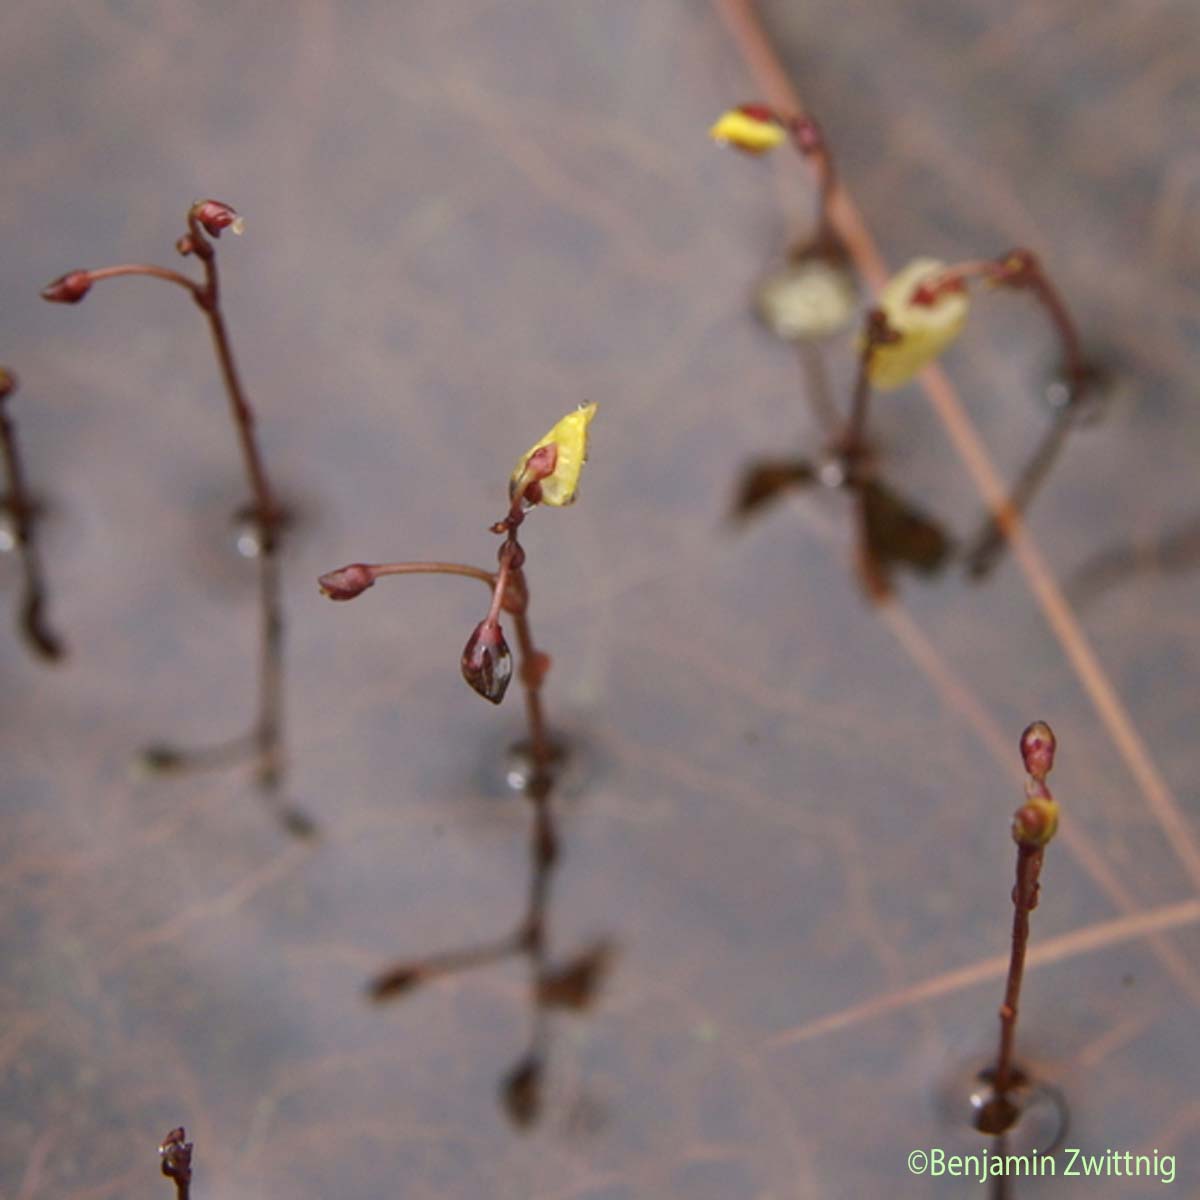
[[347, 582], [215, 216], [176, 1154], [569, 439], [486, 662], [1036, 822], [1038, 744], [927, 320], [69, 288], [751, 128]]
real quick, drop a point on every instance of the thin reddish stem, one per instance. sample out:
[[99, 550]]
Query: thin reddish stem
[[434, 568], [1025, 892], [153, 272], [1022, 270], [208, 298], [809, 142]]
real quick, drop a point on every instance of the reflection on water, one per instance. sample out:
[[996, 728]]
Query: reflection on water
[[1071, 407], [1175, 553], [22, 513], [892, 532], [262, 745], [570, 984]]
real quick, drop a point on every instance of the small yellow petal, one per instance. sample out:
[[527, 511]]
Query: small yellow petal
[[925, 329], [750, 133], [570, 438]]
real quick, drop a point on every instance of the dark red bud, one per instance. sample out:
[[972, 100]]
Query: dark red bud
[[185, 245], [1037, 749], [215, 216], [513, 553], [176, 1154], [347, 582], [486, 661], [69, 288]]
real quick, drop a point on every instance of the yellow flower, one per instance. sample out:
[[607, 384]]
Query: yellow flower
[[925, 329], [570, 439], [751, 128]]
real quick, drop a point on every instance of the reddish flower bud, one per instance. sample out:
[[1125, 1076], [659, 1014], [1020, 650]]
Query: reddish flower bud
[[1037, 749], [347, 582], [511, 552], [215, 216], [177, 1156], [1035, 823], [486, 661], [69, 288]]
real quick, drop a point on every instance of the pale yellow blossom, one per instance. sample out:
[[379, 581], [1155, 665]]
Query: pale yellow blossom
[[570, 439], [925, 329], [748, 131]]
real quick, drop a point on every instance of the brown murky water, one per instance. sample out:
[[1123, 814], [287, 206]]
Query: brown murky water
[[788, 810]]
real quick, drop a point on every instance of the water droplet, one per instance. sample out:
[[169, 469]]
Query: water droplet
[[1101, 387], [508, 767], [1031, 1116], [249, 543], [831, 471]]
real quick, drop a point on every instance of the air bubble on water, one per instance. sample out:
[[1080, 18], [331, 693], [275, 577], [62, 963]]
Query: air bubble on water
[[249, 544], [1032, 1115]]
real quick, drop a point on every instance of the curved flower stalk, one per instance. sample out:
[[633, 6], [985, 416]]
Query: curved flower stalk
[[206, 220]]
